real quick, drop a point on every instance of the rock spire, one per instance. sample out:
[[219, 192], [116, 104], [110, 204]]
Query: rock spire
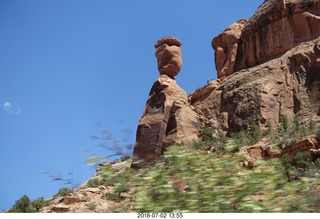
[[168, 117]]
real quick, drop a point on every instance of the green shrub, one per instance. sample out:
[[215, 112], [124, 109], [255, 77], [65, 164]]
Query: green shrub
[[39, 203], [239, 140], [312, 127], [207, 135], [283, 125], [94, 183], [64, 191], [213, 183], [255, 133], [23, 205], [303, 159], [112, 196], [269, 131], [92, 206]]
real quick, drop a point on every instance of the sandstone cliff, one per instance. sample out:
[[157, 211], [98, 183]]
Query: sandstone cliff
[[275, 70], [267, 66]]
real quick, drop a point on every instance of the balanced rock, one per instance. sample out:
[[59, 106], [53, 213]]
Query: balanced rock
[[168, 117], [169, 56]]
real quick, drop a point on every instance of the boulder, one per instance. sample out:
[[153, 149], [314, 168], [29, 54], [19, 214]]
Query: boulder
[[60, 209], [68, 200], [169, 56]]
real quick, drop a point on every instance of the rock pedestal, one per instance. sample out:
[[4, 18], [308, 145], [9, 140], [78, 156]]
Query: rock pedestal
[[168, 117]]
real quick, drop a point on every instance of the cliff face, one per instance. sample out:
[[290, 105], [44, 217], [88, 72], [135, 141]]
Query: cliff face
[[268, 66], [276, 27], [286, 85], [276, 69]]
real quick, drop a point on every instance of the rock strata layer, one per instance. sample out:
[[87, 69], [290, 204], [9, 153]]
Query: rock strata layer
[[276, 27], [167, 118]]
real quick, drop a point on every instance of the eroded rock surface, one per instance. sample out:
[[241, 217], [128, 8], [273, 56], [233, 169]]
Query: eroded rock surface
[[274, 70], [169, 56], [285, 85], [167, 117], [226, 46], [276, 27]]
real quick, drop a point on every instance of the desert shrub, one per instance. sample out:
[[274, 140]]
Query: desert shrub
[[39, 203], [23, 205], [213, 183], [255, 133], [283, 125], [238, 140], [207, 134], [269, 131], [303, 159], [119, 180], [64, 191], [112, 196], [94, 183], [92, 206], [312, 127]]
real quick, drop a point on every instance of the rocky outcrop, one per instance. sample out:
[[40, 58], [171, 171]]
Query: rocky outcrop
[[274, 70], [268, 66], [86, 199], [285, 85], [169, 56], [167, 117], [276, 27], [226, 46]]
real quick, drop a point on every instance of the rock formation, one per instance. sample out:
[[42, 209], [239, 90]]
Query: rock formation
[[167, 117], [169, 56], [226, 46], [276, 70], [270, 67], [276, 27]]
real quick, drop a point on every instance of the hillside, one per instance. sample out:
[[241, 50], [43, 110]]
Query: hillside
[[246, 142]]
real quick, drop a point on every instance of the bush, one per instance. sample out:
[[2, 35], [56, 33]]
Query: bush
[[283, 125], [207, 135], [112, 196], [39, 203], [94, 183], [23, 205], [255, 133], [190, 181], [64, 191], [313, 127], [92, 206]]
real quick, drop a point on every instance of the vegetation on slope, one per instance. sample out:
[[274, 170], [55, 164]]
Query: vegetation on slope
[[190, 178]]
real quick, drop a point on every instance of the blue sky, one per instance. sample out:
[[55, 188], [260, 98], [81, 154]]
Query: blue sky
[[66, 65]]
